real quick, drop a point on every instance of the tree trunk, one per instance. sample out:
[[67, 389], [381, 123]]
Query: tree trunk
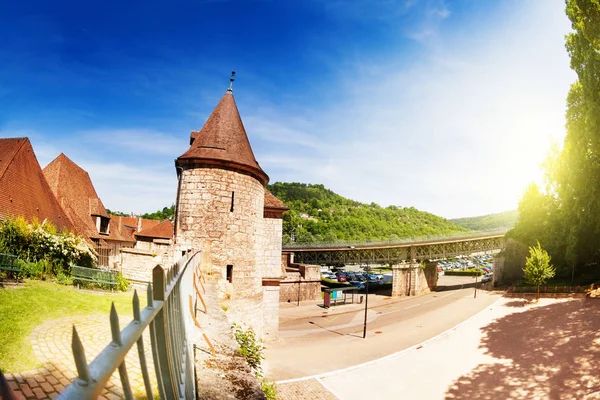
[[538, 293]]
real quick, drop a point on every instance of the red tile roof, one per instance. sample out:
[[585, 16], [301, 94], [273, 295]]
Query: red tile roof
[[273, 202], [74, 190], [134, 224], [163, 230], [223, 142], [23, 188]]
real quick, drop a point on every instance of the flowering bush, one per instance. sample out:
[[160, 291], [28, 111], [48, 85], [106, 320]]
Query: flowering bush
[[41, 241]]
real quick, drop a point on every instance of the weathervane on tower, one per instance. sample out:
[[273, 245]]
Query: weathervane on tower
[[230, 90]]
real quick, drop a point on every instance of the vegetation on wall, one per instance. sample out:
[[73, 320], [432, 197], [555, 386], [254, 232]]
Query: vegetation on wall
[[318, 214], [564, 216], [490, 222]]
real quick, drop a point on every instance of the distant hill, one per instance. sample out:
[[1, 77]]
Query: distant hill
[[319, 215], [491, 222]]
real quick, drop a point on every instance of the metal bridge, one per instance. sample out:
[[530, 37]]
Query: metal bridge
[[430, 249]]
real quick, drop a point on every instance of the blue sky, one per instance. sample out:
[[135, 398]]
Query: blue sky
[[447, 106]]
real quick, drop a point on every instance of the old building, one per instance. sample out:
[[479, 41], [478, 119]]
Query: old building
[[24, 191], [224, 209], [157, 239], [75, 193]]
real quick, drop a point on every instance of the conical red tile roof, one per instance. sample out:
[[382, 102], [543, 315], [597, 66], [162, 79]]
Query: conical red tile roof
[[223, 142], [24, 190]]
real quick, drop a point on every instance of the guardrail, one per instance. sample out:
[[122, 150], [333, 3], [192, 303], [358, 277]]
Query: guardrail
[[170, 330]]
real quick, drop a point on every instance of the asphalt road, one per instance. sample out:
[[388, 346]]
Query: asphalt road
[[323, 343]]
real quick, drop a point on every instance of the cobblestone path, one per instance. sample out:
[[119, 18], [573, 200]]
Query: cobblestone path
[[51, 342]]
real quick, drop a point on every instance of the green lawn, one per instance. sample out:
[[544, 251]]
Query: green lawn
[[27, 305]]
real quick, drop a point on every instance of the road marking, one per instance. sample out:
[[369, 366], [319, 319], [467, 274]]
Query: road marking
[[416, 305], [332, 318]]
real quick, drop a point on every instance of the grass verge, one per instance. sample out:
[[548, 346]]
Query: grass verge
[[27, 305]]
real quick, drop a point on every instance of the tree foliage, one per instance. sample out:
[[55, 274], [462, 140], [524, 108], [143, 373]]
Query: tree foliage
[[317, 214], [565, 217], [537, 267], [165, 213], [489, 222]]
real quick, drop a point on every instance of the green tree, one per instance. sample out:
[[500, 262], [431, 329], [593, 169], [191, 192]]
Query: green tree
[[537, 267]]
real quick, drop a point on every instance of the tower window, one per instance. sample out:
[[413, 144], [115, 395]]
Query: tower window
[[230, 273], [232, 200]]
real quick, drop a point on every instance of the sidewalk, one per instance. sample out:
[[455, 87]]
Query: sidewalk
[[314, 308]]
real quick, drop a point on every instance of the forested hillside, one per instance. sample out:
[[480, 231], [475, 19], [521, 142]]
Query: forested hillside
[[490, 222], [319, 215]]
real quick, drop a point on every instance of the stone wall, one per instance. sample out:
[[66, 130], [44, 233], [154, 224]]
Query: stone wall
[[301, 282], [409, 280], [498, 276], [269, 253], [271, 311], [205, 221], [137, 264]]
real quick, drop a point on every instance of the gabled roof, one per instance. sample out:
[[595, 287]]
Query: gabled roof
[[163, 230], [222, 142], [74, 190], [23, 188]]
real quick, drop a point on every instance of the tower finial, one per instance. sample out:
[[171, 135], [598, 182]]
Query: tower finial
[[230, 90]]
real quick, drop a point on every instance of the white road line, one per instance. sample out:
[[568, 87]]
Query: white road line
[[416, 305]]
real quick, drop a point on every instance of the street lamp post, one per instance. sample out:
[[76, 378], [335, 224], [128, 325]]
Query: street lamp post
[[367, 268]]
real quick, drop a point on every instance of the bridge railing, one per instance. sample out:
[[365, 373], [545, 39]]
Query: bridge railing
[[392, 242], [169, 324]]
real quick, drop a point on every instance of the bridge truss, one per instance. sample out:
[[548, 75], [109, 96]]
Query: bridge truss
[[396, 253]]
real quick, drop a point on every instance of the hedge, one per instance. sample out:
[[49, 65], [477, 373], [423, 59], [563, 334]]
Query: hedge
[[468, 272]]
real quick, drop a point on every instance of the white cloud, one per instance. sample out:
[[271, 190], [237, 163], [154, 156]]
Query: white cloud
[[142, 141], [459, 132]]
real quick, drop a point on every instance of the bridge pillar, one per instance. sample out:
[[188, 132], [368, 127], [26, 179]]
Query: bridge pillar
[[431, 274], [400, 279]]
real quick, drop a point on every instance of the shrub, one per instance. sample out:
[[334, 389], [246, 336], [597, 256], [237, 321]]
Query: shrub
[[36, 242], [250, 347], [63, 279], [34, 270], [269, 389], [122, 283], [468, 272]]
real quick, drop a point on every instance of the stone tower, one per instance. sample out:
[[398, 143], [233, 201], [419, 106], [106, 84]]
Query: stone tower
[[221, 211]]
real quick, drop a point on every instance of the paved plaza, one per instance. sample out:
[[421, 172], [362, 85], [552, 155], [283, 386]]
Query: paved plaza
[[51, 342]]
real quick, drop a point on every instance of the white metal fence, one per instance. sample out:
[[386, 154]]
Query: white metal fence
[[170, 327]]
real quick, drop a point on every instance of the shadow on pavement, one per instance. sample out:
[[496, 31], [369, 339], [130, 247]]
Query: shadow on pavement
[[332, 330], [547, 352]]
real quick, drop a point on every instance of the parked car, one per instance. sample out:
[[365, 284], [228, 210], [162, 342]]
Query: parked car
[[341, 277], [358, 284], [350, 276], [486, 278]]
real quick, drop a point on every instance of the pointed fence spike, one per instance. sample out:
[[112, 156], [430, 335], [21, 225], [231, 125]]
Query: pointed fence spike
[[136, 306], [83, 373], [149, 295], [114, 326]]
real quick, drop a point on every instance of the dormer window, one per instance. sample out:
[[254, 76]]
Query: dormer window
[[102, 224]]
